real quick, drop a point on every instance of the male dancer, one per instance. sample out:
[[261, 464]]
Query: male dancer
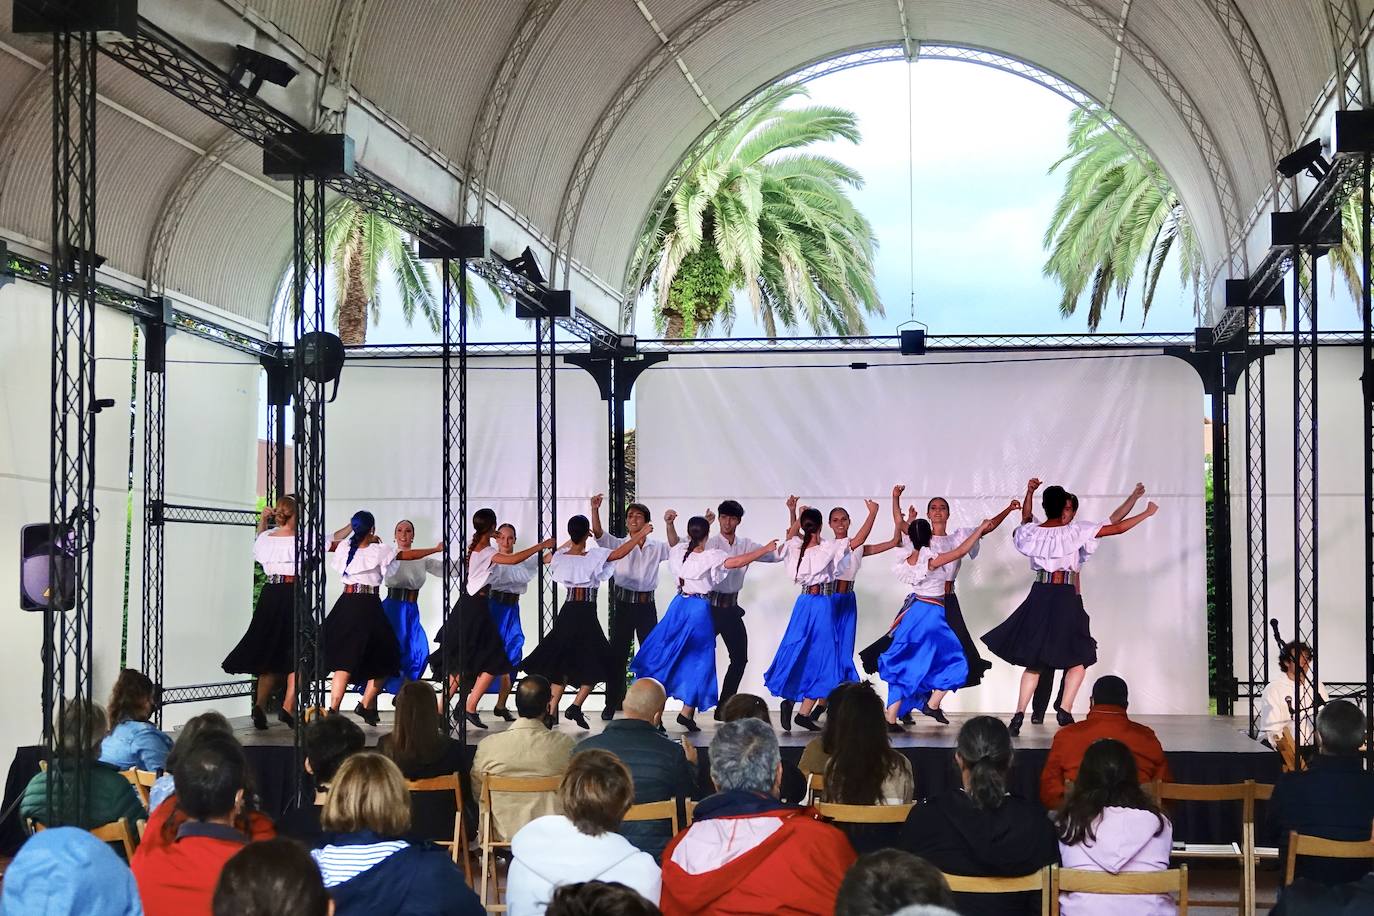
[[726, 613]]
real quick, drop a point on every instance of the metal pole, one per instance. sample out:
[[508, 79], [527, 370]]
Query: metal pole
[[154, 495], [1221, 538], [1367, 315]]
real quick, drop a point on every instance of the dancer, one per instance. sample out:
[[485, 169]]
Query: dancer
[[404, 579], [1050, 629], [470, 647], [808, 664], [844, 603], [267, 648], [508, 581], [681, 651], [575, 651], [633, 611]]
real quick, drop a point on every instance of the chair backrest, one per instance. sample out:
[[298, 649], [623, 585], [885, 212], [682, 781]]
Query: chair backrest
[[1077, 880], [141, 780], [864, 814], [969, 884], [527, 784], [1182, 791], [446, 783], [1300, 844], [655, 811], [117, 832]]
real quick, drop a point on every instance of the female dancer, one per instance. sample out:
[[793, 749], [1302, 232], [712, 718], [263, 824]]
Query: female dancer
[[680, 653], [404, 579], [508, 582], [470, 629], [1050, 628], [575, 651], [808, 663], [266, 649], [843, 601], [358, 640]]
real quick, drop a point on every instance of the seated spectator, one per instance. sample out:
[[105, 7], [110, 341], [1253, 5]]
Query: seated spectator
[[883, 882], [67, 872], [661, 768], [1332, 799], [527, 748], [749, 706], [271, 878], [133, 741], [368, 868], [1109, 824], [979, 829], [329, 741], [599, 898], [861, 766], [107, 797], [206, 722], [817, 752], [1106, 719], [167, 819], [1305, 897], [177, 876], [419, 747], [745, 851], [581, 844]]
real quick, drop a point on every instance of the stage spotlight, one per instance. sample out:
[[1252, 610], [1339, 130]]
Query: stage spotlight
[[320, 358], [73, 256], [262, 67], [1306, 158], [913, 341], [527, 265]]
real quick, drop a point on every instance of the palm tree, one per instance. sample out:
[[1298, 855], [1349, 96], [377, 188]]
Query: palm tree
[[756, 214], [1117, 213], [1347, 258]]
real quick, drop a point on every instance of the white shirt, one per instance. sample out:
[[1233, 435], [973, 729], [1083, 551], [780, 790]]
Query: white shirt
[[699, 572], [276, 554], [586, 570], [849, 568], [733, 580], [918, 577], [479, 567], [1057, 549], [944, 543], [820, 564], [513, 577], [637, 571], [368, 566], [1276, 705], [410, 574]]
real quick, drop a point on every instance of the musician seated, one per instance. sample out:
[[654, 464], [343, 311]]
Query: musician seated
[[1279, 722], [1333, 799]]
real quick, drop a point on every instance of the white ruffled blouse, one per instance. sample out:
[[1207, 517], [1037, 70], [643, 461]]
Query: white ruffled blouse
[[821, 564], [1057, 549], [368, 566], [918, 577], [699, 572], [277, 554], [587, 570]]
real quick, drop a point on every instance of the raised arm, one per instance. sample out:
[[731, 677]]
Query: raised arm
[[959, 552], [866, 528], [420, 553], [633, 541], [1125, 508], [597, 531], [267, 520], [793, 523], [520, 556], [898, 531], [1028, 504], [337, 537], [1001, 517], [745, 559], [1126, 524], [668, 518], [897, 514]]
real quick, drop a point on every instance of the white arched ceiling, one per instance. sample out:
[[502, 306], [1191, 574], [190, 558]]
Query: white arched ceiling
[[565, 117]]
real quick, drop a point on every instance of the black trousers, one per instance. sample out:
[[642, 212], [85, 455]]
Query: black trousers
[[629, 621], [1041, 701], [729, 622]]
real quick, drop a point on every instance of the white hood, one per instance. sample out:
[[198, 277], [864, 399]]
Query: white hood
[[550, 851]]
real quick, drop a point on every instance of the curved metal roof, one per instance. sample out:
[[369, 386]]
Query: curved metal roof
[[557, 121]]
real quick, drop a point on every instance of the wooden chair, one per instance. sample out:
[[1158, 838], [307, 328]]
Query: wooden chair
[[665, 810], [1037, 882], [458, 845], [864, 814], [691, 811], [114, 832], [1300, 844], [142, 781], [1077, 880], [815, 788], [1241, 852], [486, 831]]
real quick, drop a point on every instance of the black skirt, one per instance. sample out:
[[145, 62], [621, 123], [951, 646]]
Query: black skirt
[[359, 639], [482, 648], [954, 617], [575, 651], [269, 643], [1049, 630]]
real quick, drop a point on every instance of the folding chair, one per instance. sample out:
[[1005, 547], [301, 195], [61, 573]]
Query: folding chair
[[458, 846], [815, 788], [864, 814], [665, 810], [113, 832], [486, 831], [141, 780], [1038, 881], [1077, 880], [1238, 852], [1300, 844]]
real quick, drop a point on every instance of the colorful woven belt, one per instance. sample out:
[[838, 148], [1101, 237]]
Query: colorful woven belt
[[724, 599], [280, 580], [404, 594], [581, 594], [626, 596], [825, 588], [504, 597], [1058, 577], [360, 589]]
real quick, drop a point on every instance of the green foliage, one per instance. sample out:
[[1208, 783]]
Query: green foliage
[[1347, 258], [701, 290]]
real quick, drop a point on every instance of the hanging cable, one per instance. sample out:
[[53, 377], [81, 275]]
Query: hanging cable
[[911, 184]]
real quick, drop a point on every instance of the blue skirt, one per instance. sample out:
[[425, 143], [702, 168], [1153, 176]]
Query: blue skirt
[[925, 655], [806, 665], [680, 653], [846, 620], [506, 617], [404, 617]]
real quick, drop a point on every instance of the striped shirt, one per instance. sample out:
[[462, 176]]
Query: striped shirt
[[342, 863]]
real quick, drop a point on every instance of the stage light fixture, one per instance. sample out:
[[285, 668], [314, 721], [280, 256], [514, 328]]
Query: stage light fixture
[[74, 256], [260, 68], [320, 358], [1306, 158], [527, 266], [913, 341]]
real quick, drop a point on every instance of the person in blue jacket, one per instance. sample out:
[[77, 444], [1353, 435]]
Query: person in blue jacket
[[133, 741], [65, 871]]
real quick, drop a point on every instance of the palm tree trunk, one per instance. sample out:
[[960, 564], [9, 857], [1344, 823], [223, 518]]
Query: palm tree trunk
[[353, 306], [676, 328]]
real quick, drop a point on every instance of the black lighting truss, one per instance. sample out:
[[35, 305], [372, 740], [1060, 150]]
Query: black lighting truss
[[279, 382], [1366, 170], [1305, 493], [546, 462], [1256, 520], [154, 491], [454, 448]]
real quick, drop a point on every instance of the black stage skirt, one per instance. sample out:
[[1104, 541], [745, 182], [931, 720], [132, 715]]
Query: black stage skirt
[[359, 639], [269, 643], [483, 650], [1049, 630], [575, 652]]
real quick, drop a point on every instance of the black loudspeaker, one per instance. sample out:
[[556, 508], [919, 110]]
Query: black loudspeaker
[[913, 342], [320, 358], [35, 574], [47, 16], [308, 155]]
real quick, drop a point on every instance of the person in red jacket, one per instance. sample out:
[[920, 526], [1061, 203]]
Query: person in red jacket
[[747, 852], [1106, 719], [177, 872]]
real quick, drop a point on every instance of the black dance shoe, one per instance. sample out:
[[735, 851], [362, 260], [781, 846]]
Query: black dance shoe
[[716, 715], [785, 715], [1063, 717], [907, 719], [1037, 718], [550, 720], [662, 729], [806, 722], [285, 718], [935, 713], [370, 716], [574, 714], [688, 723], [607, 714], [818, 711], [259, 719], [503, 714], [1014, 726], [475, 720], [895, 729]]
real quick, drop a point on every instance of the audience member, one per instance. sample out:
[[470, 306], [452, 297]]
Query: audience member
[[206, 722], [599, 898], [419, 747], [329, 741], [862, 768], [527, 748], [67, 872], [1332, 799], [981, 830], [1305, 897], [661, 768], [133, 741], [883, 882], [749, 706], [1108, 823], [745, 851], [177, 876], [271, 878], [167, 819], [924, 909], [368, 868], [816, 755], [582, 843], [1106, 719], [107, 797]]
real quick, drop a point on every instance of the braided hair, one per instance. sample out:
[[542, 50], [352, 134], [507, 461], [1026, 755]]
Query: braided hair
[[698, 530], [362, 524], [985, 748], [810, 527], [920, 533], [483, 524]]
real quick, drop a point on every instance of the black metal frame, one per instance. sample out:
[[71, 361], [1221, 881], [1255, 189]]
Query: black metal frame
[[154, 491], [454, 449]]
